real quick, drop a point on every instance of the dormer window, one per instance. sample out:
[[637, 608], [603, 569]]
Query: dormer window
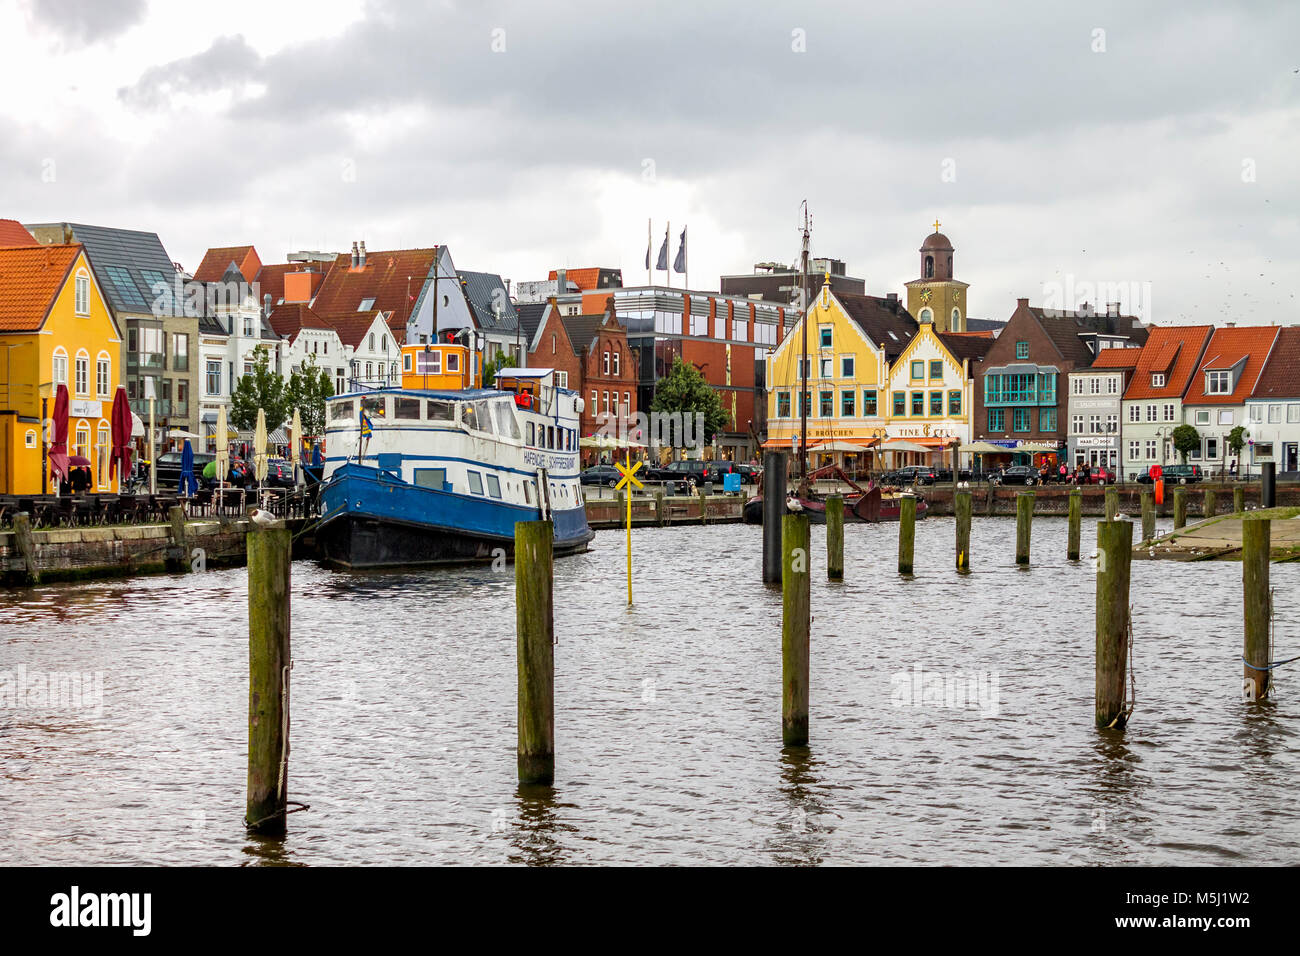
[[1218, 383], [366, 305], [1022, 350], [1157, 379]]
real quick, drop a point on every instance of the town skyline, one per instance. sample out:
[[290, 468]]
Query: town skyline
[[501, 147]]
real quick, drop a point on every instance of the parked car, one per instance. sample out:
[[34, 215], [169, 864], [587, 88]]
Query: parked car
[[169, 469], [691, 473], [1174, 474], [600, 475], [912, 475], [279, 474], [749, 473], [1098, 475], [1019, 475], [944, 475]]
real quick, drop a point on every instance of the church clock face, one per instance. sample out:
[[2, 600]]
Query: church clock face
[[956, 295], [925, 295]]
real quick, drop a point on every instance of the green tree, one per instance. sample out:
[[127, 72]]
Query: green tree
[[1237, 440], [261, 388], [684, 390], [1186, 439], [309, 387], [494, 365]]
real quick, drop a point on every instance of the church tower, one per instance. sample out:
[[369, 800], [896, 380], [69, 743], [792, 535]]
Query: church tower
[[937, 297]]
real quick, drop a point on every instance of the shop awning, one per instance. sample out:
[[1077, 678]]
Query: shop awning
[[839, 445], [984, 448], [908, 445]]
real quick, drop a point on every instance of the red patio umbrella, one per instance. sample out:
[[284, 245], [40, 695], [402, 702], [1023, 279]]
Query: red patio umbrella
[[120, 460], [59, 447]]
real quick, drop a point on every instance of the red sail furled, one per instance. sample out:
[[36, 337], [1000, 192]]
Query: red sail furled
[[59, 447], [120, 461]]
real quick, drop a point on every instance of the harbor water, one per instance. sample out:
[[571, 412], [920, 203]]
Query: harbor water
[[951, 716]]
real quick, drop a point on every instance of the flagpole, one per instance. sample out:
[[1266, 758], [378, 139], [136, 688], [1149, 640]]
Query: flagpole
[[686, 260], [649, 245], [668, 232]]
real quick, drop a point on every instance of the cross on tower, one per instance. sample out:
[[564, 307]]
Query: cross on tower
[[936, 225]]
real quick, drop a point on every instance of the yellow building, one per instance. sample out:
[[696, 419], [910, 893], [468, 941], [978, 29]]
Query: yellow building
[[852, 341], [55, 328], [936, 297]]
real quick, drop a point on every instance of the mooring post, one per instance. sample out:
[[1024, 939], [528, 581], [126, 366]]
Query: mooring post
[[1148, 516], [1112, 502], [1268, 485], [179, 560], [773, 510], [1211, 506], [906, 532], [796, 620], [1180, 507], [962, 509], [1256, 540], [835, 537], [704, 506], [1238, 500], [269, 662], [1024, 518], [1076, 518], [659, 507], [1114, 555], [535, 651], [26, 546]]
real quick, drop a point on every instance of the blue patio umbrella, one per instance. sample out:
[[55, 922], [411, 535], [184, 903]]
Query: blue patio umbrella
[[189, 485], [315, 455]]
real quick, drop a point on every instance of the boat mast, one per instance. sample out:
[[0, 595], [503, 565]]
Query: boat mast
[[803, 367]]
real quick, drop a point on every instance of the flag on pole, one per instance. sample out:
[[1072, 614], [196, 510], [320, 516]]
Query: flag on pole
[[365, 424], [648, 244], [662, 265], [679, 264]]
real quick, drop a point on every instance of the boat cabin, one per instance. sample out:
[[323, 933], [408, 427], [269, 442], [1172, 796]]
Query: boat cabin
[[437, 366]]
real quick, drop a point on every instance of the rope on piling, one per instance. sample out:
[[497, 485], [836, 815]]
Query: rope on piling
[[297, 808], [1268, 667], [1129, 705]]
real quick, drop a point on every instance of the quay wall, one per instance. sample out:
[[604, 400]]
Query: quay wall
[[1000, 500]]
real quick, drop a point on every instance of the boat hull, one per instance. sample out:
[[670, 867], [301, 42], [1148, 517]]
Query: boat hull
[[868, 509]]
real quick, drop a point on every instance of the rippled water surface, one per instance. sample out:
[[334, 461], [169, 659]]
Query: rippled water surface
[[668, 715]]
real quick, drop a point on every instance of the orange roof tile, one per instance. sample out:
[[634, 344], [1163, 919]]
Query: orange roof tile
[[12, 233], [1281, 375], [394, 279], [1116, 358], [1184, 343], [351, 326], [291, 318], [216, 261], [1227, 348], [30, 279], [584, 279]]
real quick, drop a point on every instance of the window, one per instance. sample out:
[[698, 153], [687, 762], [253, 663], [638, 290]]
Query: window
[[1112, 385], [103, 439], [212, 384], [1112, 423], [82, 446], [1134, 450], [83, 374], [826, 368], [435, 478], [103, 374], [1151, 413], [900, 404], [926, 317], [60, 367], [617, 374], [406, 362], [1256, 415], [1135, 413], [807, 402], [848, 403], [936, 404], [627, 404], [1151, 451], [428, 363], [918, 404], [605, 366], [936, 368], [1218, 383], [494, 486], [1020, 419], [846, 366], [1076, 425], [825, 336], [1157, 380], [180, 351], [1292, 413], [954, 403], [81, 294], [782, 404], [1076, 385], [595, 401], [125, 286], [1022, 350], [1169, 412], [530, 438], [1094, 424], [826, 404], [552, 343], [364, 306], [604, 396], [1094, 385], [997, 419], [1225, 416], [475, 482], [918, 371], [406, 407], [1211, 448], [1274, 413], [1046, 420], [562, 379], [869, 403]]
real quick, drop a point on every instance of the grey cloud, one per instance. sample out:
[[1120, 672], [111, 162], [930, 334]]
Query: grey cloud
[[83, 22], [229, 63]]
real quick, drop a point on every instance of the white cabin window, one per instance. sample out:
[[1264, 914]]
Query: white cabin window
[[475, 482], [494, 486]]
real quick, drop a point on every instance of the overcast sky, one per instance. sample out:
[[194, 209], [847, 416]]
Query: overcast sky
[[1149, 145]]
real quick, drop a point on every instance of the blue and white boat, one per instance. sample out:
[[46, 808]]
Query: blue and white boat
[[445, 473]]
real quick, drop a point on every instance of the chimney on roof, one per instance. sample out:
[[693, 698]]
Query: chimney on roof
[[354, 255], [1112, 308], [362, 262], [67, 234], [892, 297], [1022, 303], [1228, 325], [561, 281], [266, 306]]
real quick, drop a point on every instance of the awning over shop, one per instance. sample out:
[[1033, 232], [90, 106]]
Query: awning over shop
[[608, 442], [984, 448], [838, 445]]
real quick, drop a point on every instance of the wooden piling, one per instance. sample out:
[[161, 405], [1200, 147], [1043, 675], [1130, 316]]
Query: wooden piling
[[1114, 555], [1180, 507], [1238, 500], [1076, 518], [1148, 516], [774, 487], [906, 532], [835, 537], [962, 509], [1256, 540], [1024, 519], [660, 514], [269, 661], [1211, 506], [796, 620], [704, 507], [26, 547], [1112, 502], [535, 651], [178, 560]]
